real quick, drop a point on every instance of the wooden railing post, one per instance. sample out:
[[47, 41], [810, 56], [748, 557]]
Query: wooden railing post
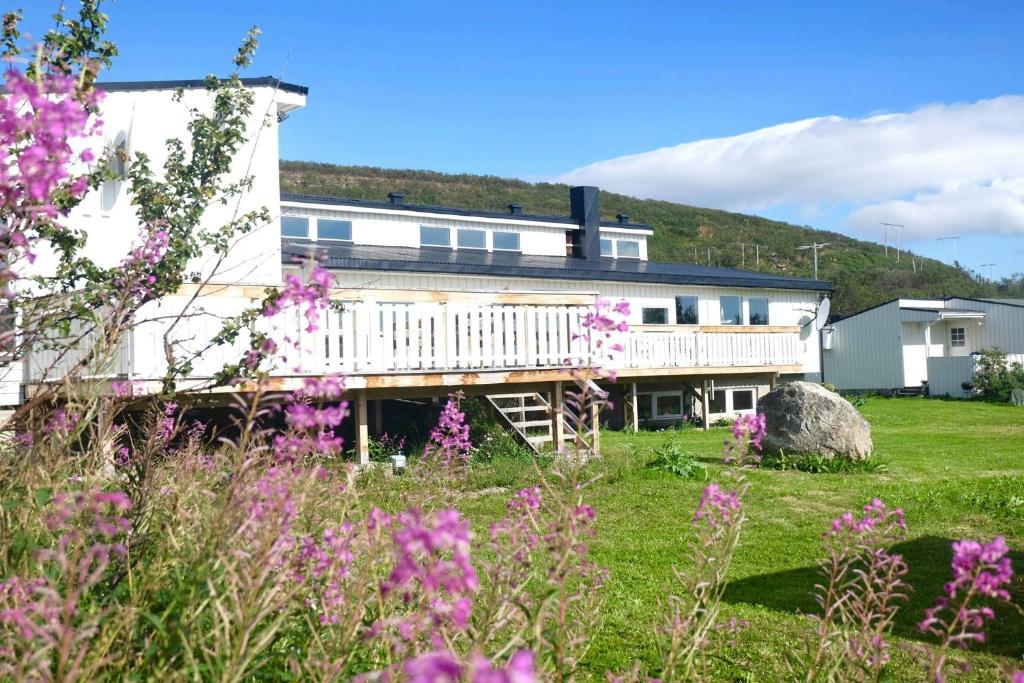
[[557, 419]]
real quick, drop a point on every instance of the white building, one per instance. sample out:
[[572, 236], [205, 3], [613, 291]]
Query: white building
[[441, 298], [906, 344]]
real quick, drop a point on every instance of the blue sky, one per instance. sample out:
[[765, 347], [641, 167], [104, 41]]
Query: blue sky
[[542, 90]]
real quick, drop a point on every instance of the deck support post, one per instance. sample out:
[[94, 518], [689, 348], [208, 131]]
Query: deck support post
[[362, 429], [595, 426], [557, 420], [705, 399], [633, 406]]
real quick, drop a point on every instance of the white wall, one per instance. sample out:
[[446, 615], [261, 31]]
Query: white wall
[[146, 119], [396, 228], [866, 350], [1003, 326]]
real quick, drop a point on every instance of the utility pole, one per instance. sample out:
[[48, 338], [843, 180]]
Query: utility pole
[[952, 239], [815, 247], [896, 227], [989, 266]]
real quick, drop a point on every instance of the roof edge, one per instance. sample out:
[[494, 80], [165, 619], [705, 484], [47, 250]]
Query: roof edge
[[255, 82]]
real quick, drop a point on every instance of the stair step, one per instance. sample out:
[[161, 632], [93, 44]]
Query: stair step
[[536, 440], [532, 423], [521, 409], [493, 396]]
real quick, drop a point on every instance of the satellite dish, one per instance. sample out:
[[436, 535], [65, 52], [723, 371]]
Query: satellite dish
[[821, 313]]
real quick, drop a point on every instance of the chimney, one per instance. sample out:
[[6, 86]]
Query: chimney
[[395, 197], [584, 209], [623, 218], [515, 209]]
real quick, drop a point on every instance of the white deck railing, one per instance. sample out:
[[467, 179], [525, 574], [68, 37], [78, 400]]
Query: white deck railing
[[370, 337]]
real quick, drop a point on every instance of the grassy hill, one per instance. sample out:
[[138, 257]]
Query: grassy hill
[[861, 272]]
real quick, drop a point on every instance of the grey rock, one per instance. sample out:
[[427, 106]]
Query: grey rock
[[802, 418]]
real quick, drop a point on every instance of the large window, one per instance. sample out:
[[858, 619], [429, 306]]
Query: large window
[[472, 239], [294, 226], [606, 247], [732, 400], [686, 310], [627, 249], [435, 237], [660, 405], [732, 310], [758, 311], [329, 229], [506, 241], [742, 399], [654, 316], [957, 336]]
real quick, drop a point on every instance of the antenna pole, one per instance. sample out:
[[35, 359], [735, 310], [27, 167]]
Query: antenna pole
[[814, 246]]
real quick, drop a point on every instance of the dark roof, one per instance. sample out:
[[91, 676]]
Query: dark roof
[[511, 264], [455, 211], [270, 81]]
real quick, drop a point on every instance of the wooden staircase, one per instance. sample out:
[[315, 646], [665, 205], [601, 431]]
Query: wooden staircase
[[528, 417]]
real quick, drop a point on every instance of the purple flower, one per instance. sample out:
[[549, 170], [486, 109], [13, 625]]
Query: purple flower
[[717, 507], [449, 442], [748, 431]]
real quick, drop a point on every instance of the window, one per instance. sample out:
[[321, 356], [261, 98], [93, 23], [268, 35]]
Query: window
[[742, 399], [957, 336], [686, 310], [328, 229], [732, 310], [668, 405], [472, 239], [506, 241], [716, 405], [294, 226], [643, 406], [435, 237], [655, 316], [606, 247], [627, 248], [758, 311]]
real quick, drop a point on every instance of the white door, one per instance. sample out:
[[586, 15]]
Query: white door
[[915, 357]]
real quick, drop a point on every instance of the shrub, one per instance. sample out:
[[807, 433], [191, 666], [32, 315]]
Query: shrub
[[821, 464], [671, 458], [995, 378]]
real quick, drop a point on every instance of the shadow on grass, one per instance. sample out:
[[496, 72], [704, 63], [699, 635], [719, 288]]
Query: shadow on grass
[[928, 559]]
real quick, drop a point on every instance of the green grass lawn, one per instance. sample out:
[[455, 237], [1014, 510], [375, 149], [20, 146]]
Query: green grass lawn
[[954, 467]]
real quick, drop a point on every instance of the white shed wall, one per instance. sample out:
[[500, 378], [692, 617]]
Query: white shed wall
[[1003, 326], [866, 350]]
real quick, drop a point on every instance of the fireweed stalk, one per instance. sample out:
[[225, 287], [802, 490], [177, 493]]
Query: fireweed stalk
[[981, 572], [717, 523], [863, 586]]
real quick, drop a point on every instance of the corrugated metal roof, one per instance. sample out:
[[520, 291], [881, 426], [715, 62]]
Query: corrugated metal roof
[[511, 264], [452, 210]]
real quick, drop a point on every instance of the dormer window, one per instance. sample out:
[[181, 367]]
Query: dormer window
[[435, 237], [295, 226], [627, 248], [505, 241], [607, 248], [472, 239], [329, 229]]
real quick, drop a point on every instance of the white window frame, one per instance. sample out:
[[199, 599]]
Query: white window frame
[[611, 247], [721, 309], [318, 238], [519, 240], [729, 410], [652, 402], [618, 242], [436, 227], [310, 226], [461, 230], [767, 311], [668, 314], [953, 342]]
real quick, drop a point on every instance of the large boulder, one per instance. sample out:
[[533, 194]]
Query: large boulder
[[802, 418]]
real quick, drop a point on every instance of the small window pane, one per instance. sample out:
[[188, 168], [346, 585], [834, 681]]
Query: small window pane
[[643, 406], [732, 310], [717, 402], [606, 247], [957, 336], [655, 316], [506, 241], [472, 239], [686, 310], [434, 237], [294, 226], [668, 405], [628, 249], [327, 229], [758, 311], [743, 399]]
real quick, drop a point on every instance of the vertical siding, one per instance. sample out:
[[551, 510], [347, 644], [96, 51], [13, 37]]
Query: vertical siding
[[1002, 328], [866, 350]]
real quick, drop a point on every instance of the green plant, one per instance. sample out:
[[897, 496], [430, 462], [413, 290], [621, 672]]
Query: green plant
[[671, 458], [814, 463], [995, 378]]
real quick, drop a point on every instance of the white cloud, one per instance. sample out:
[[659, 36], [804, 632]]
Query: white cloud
[[938, 169]]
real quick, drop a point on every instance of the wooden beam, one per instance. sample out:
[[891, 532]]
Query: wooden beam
[[362, 430], [706, 406], [557, 420], [595, 426], [634, 407]]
